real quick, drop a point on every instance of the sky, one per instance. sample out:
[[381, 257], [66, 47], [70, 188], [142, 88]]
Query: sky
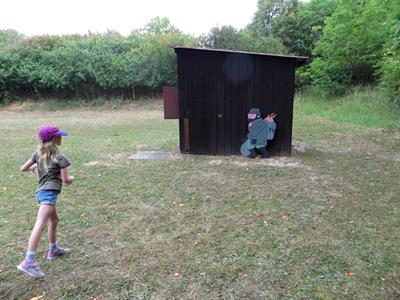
[[196, 17]]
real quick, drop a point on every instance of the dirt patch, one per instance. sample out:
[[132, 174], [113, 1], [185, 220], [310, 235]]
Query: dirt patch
[[279, 162], [98, 163], [215, 162], [347, 143], [91, 163], [118, 156], [298, 147]]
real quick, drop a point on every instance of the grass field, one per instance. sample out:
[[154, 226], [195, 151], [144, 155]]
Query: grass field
[[322, 224]]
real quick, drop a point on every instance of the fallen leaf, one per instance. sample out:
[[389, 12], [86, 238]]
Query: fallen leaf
[[350, 273], [242, 274], [82, 215], [285, 218], [129, 193], [269, 195], [38, 297], [257, 215]]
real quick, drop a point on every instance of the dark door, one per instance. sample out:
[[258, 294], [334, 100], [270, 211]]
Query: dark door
[[219, 94]]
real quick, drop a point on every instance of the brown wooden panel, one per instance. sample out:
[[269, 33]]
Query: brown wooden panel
[[171, 103]]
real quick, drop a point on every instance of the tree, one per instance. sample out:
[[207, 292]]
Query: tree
[[267, 12], [300, 27], [9, 62], [224, 37], [390, 64], [262, 44], [159, 26], [9, 38], [153, 61], [351, 45], [227, 37]]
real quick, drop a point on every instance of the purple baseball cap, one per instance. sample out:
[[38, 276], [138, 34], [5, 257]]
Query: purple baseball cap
[[48, 132]]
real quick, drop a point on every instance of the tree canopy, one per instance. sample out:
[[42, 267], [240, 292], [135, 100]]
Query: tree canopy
[[350, 42]]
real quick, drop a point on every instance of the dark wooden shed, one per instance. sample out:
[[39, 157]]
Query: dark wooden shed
[[216, 89]]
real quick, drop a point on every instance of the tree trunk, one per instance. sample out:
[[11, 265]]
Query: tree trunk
[[133, 93]]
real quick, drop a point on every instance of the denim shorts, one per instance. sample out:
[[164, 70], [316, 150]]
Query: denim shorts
[[47, 197]]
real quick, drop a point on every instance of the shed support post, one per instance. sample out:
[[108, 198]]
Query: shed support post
[[186, 135]]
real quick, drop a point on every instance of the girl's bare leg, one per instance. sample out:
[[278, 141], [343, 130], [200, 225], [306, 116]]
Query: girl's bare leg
[[45, 211], [52, 227]]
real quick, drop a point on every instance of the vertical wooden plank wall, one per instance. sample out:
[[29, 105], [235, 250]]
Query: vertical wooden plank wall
[[216, 90]]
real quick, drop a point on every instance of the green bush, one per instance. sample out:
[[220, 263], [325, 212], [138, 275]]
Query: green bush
[[390, 81], [390, 65], [352, 45], [91, 66]]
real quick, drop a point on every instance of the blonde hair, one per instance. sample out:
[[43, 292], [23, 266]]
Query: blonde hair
[[47, 152]]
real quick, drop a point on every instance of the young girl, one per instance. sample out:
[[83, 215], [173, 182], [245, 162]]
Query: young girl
[[51, 166]]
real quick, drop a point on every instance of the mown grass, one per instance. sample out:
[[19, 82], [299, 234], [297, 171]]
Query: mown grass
[[78, 104], [363, 106], [322, 224]]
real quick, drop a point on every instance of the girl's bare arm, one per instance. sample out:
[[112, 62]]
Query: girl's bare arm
[[66, 179], [30, 165]]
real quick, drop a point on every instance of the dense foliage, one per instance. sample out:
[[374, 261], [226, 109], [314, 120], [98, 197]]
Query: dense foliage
[[227, 37], [390, 64], [352, 46], [91, 65], [350, 42]]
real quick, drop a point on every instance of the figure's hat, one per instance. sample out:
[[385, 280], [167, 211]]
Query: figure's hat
[[255, 110]]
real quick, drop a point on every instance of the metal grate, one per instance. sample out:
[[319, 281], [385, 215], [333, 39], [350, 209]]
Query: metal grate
[[150, 155]]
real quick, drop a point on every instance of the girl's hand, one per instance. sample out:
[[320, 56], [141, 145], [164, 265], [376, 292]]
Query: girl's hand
[[66, 179], [28, 166], [69, 180], [33, 168]]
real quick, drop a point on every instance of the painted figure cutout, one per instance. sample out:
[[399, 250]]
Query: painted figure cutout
[[260, 132]]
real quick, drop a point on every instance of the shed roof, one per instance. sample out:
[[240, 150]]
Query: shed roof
[[300, 60]]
